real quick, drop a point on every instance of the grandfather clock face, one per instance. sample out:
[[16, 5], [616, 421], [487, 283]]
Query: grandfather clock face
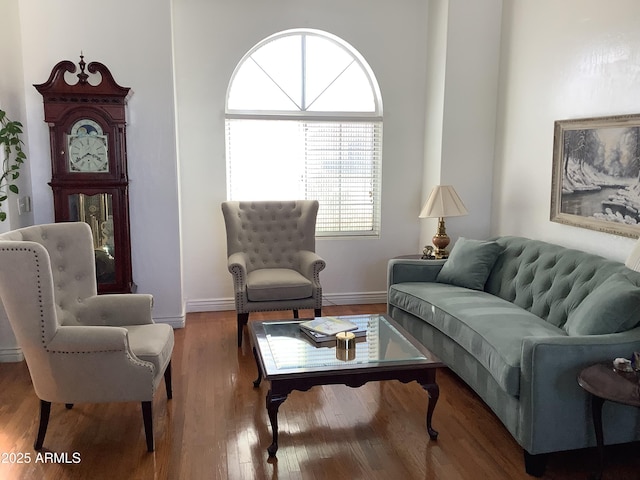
[[87, 131], [87, 147]]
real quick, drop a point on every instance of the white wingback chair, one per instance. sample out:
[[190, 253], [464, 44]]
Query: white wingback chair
[[79, 346], [271, 255]]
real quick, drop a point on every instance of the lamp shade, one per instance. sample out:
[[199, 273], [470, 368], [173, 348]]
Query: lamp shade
[[443, 202]]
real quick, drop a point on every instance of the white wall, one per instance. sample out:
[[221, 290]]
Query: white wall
[[576, 58], [12, 102], [210, 39], [133, 39], [560, 60], [462, 95]]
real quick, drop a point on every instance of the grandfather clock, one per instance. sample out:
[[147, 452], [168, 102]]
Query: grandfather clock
[[87, 131]]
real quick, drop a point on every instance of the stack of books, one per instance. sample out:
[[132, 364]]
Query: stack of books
[[323, 330]]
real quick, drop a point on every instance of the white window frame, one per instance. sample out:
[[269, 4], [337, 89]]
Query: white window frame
[[371, 118]]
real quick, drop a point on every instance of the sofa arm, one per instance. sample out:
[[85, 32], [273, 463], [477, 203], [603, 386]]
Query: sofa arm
[[555, 414], [400, 270]]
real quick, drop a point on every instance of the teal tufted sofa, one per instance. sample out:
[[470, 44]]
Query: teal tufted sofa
[[511, 342]]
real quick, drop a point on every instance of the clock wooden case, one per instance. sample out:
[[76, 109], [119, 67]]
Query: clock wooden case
[[87, 132]]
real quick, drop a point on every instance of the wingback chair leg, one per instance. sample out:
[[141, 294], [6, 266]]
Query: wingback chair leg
[[45, 410], [167, 381], [147, 417], [317, 312], [295, 313], [243, 319]]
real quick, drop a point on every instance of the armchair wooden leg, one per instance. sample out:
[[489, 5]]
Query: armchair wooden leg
[[243, 319], [45, 410], [317, 312], [69, 406], [167, 381], [147, 418], [295, 314]]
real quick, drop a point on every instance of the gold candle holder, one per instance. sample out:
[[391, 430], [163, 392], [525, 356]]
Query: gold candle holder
[[345, 346]]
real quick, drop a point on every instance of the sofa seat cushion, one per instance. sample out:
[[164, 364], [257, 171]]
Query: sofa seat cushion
[[488, 327], [269, 284]]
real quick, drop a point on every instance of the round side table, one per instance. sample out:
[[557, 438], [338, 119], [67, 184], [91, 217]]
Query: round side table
[[603, 382]]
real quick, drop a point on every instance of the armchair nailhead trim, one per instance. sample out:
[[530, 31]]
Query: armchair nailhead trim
[[36, 260]]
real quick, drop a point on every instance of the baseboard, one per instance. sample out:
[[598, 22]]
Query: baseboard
[[11, 355], [212, 305], [355, 298], [175, 322]]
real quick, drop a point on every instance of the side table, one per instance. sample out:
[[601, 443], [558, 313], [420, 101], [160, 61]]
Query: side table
[[603, 382]]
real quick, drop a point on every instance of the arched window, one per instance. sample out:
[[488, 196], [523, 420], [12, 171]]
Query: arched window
[[304, 120]]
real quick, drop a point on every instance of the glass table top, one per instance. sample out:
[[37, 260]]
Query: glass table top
[[285, 349]]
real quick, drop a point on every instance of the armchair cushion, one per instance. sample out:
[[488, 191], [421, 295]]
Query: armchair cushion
[[152, 343], [277, 284]]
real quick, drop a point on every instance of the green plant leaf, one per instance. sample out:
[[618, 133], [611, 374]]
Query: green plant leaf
[[3, 216]]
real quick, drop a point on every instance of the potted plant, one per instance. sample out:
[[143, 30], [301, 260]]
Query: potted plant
[[14, 157]]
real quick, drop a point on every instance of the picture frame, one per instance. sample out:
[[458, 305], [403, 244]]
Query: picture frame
[[596, 174]]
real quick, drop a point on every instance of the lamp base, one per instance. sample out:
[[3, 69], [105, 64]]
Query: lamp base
[[441, 240]]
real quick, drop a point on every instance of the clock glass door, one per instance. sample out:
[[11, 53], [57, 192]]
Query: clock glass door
[[97, 211]]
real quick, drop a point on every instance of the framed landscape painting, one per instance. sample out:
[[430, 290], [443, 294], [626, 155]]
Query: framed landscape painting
[[596, 174]]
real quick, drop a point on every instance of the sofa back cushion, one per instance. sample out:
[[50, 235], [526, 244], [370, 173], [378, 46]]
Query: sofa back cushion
[[549, 280]]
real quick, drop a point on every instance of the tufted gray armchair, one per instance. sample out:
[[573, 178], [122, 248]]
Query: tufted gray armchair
[[79, 346], [271, 255]]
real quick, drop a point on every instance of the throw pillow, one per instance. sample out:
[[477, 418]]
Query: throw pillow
[[469, 263], [614, 306]]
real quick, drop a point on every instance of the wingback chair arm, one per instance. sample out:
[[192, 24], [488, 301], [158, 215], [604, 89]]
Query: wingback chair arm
[[116, 310], [88, 339], [237, 265], [311, 264]]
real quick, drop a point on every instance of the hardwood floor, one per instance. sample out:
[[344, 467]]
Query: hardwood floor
[[216, 426]]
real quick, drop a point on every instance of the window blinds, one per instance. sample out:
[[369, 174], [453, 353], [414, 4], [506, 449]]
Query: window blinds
[[337, 163]]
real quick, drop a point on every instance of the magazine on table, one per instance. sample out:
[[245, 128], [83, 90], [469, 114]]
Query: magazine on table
[[328, 325], [320, 338]]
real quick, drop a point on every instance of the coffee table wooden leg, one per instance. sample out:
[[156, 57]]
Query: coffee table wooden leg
[[430, 385], [273, 403], [256, 382]]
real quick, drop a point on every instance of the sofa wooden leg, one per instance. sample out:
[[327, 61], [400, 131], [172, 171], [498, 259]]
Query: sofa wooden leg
[[243, 319], [69, 406], [45, 410], [535, 465], [317, 312], [147, 418], [295, 313], [167, 381]]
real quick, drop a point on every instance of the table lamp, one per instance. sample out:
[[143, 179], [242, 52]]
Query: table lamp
[[443, 202]]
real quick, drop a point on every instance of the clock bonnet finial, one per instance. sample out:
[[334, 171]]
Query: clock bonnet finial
[[82, 77]]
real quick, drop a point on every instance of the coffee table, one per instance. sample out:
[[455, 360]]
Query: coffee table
[[290, 361]]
